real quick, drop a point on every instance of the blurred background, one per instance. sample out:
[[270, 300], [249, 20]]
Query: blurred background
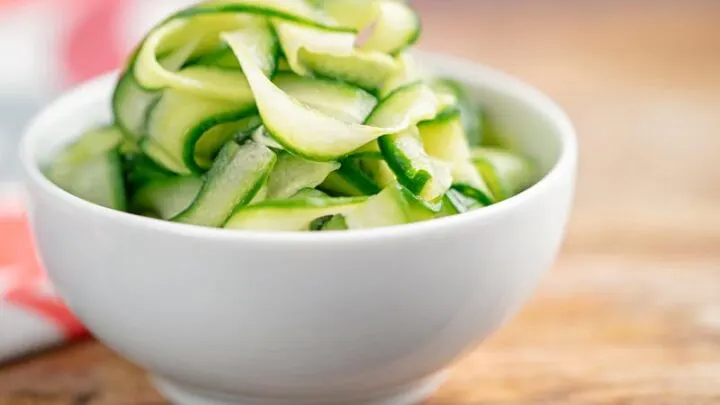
[[638, 282], [640, 79]]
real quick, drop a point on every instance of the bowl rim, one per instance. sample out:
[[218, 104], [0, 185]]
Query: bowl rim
[[491, 78]]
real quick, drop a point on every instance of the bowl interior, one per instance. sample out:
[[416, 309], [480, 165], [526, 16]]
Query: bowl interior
[[529, 121]]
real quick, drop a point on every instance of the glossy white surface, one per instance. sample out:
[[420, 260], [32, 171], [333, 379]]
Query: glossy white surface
[[303, 318]]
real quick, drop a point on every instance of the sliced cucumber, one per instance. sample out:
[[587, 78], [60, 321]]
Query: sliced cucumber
[[347, 103], [403, 151], [350, 180], [365, 69], [408, 71], [317, 223], [223, 57], [280, 115], [236, 176], [332, 54], [316, 136], [372, 162], [205, 81], [336, 223], [307, 193], [141, 170], [90, 144], [180, 120], [507, 173], [301, 12], [293, 37], [444, 139], [213, 139], [464, 105], [393, 206], [352, 13], [457, 202], [426, 177], [397, 27], [261, 136], [97, 178], [290, 215], [293, 173], [131, 103], [167, 198]]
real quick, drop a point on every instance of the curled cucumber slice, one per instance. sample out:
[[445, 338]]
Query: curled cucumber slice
[[236, 176], [507, 173], [292, 174], [339, 100], [335, 223], [308, 132], [291, 215], [300, 11], [351, 179], [91, 169], [190, 129], [333, 54], [408, 71], [397, 27], [224, 84], [403, 151], [444, 139], [459, 100], [166, 198], [395, 205]]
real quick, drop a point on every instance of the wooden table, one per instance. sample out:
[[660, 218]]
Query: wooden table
[[631, 312]]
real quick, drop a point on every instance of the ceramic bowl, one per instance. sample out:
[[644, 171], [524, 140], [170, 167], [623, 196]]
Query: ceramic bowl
[[357, 317]]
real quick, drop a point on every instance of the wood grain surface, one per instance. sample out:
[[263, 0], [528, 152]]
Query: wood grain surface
[[630, 315]]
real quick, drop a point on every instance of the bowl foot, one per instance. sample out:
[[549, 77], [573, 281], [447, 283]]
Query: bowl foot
[[411, 394]]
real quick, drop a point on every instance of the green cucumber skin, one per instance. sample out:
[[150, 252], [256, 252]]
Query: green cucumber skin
[[227, 9], [335, 223], [127, 79], [413, 180], [319, 223], [197, 132], [120, 202], [443, 116], [277, 54], [389, 96], [351, 172], [193, 135], [398, 162], [474, 193], [254, 9]]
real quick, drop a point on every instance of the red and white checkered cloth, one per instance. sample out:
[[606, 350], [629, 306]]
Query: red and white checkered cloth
[[53, 44]]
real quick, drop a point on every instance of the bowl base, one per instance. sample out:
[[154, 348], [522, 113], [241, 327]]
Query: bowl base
[[411, 394]]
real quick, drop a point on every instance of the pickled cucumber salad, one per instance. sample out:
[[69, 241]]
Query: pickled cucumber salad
[[290, 115]]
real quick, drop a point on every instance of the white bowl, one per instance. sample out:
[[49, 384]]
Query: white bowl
[[357, 317]]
